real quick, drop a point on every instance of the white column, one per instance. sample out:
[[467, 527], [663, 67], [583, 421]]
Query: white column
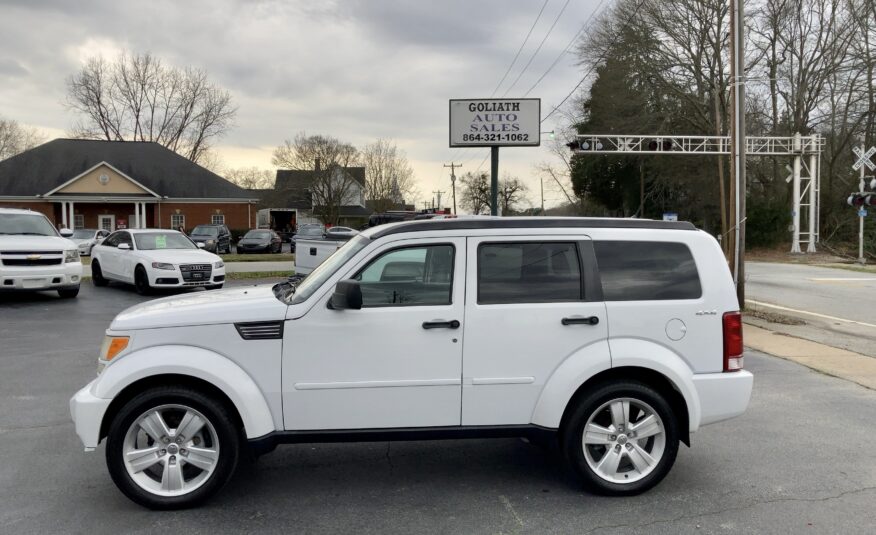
[[71, 226], [145, 223], [813, 217], [795, 237], [64, 213], [136, 215]]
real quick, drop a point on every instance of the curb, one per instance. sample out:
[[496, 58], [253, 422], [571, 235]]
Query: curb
[[841, 363]]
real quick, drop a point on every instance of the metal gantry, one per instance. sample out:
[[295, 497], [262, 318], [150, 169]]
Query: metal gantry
[[805, 153]]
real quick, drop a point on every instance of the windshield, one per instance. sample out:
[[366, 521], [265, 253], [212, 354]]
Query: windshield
[[205, 231], [26, 224], [83, 234], [257, 235], [324, 271], [150, 241]]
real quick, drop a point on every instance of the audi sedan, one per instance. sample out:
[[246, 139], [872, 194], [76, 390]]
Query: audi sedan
[[155, 258]]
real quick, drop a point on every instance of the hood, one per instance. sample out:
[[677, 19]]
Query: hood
[[203, 237], [182, 256], [248, 303], [34, 243]]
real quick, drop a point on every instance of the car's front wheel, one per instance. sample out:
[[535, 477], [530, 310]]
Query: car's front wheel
[[141, 281], [172, 447], [621, 438], [68, 293], [97, 277]]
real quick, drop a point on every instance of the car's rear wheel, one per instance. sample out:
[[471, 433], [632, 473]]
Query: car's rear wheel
[[141, 281], [621, 439], [97, 277], [68, 293], [172, 447]]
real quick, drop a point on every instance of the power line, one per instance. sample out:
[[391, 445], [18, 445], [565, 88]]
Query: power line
[[595, 63], [532, 57], [519, 50], [566, 50]]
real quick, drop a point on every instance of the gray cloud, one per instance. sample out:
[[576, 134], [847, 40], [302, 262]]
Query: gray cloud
[[357, 69]]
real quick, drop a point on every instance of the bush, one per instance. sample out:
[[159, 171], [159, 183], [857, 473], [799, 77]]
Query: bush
[[767, 223]]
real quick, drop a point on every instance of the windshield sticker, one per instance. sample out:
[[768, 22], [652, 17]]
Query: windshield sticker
[[161, 242]]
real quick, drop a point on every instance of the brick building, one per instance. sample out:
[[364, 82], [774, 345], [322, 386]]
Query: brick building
[[81, 183]]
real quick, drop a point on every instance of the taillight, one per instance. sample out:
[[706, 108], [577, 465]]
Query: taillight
[[732, 341]]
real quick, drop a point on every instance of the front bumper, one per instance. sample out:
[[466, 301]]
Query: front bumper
[[723, 395], [166, 278], [87, 411], [253, 248], [29, 278]]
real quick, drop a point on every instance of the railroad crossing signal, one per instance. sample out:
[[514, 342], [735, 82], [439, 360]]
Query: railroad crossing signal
[[864, 158]]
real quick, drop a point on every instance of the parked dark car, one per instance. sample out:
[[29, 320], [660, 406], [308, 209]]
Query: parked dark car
[[260, 241], [308, 232], [216, 238]]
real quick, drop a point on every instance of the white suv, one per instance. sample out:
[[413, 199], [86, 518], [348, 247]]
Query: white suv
[[35, 256], [617, 337]]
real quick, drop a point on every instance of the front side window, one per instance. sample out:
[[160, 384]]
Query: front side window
[[125, 237], [323, 272], [646, 271], [546, 272], [408, 276], [112, 240]]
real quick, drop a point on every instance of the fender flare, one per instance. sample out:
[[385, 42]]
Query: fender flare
[[196, 362], [593, 359]]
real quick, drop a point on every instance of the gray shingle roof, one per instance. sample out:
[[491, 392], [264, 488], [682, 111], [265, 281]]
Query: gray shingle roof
[[159, 169]]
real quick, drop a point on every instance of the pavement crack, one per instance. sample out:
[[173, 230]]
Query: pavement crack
[[28, 427], [510, 508], [730, 509], [388, 458]]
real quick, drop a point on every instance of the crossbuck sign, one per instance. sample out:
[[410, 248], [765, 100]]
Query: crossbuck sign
[[864, 158]]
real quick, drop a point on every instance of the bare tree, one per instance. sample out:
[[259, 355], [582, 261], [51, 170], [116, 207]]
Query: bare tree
[[329, 159], [389, 177], [137, 98], [475, 193], [16, 138], [251, 177], [510, 194]]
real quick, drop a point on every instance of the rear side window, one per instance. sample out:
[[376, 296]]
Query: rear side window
[[528, 273], [647, 271]]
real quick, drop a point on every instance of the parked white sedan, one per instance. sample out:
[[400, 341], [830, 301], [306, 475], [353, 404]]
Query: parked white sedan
[[155, 258]]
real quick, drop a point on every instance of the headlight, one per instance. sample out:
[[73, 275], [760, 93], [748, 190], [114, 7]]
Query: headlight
[[163, 265], [71, 255], [112, 346], [211, 242], [219, 264]]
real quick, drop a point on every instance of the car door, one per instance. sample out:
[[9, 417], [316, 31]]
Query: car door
[[532, 303], [125, 258], [105, 254], [397, 362]]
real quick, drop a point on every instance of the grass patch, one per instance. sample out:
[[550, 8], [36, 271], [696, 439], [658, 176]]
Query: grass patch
[[259, 275], [267, 257]]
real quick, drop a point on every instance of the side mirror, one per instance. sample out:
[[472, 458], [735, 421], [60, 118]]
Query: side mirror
[[200, 244], [124, 247], [348, 295], [66, 233]]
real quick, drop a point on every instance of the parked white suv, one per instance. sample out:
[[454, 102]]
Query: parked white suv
[[35, 256], [617, 337]]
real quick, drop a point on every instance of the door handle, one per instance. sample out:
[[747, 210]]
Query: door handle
[[578, 320], [452, 324]]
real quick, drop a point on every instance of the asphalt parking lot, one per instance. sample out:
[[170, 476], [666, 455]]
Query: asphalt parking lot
[[799, 461]]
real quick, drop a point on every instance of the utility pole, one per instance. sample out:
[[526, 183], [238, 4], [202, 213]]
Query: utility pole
[[737, 145], [541, 180], [494, 180], [438, 194], [453, 167]]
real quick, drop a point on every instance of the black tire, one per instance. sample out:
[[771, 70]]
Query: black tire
[[216, 413], [141, 281], [68, 293], [97, 277], [590, 403]]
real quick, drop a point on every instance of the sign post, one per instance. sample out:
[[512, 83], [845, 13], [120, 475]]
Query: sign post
[[494, 123], [862, 162]]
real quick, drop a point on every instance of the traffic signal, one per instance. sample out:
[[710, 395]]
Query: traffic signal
[[660, 144], [584, 144], [858, 200]]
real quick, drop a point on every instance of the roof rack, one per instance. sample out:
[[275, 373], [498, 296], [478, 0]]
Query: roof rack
[[528, 222]]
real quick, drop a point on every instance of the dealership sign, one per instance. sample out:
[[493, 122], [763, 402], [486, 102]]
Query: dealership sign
[[495, 122]]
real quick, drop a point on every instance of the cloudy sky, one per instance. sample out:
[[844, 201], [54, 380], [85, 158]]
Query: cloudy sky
[[354, 69]]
